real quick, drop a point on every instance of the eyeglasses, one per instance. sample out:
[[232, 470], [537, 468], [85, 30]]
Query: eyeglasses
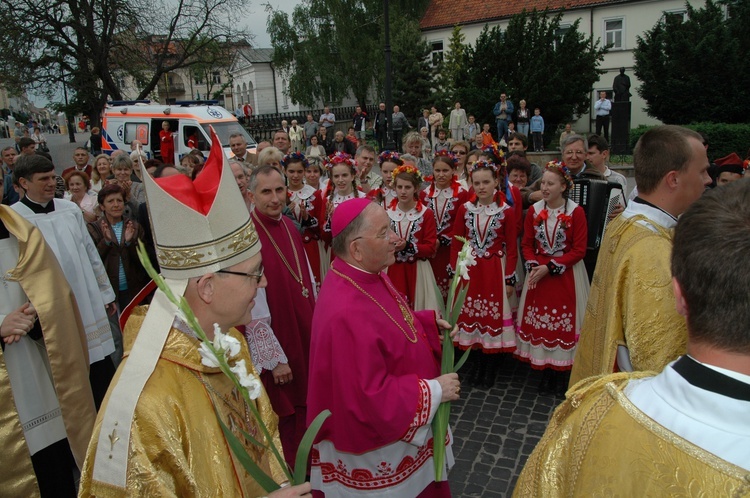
[[460, 152], [571, 153], [257, 276], [384, 236]]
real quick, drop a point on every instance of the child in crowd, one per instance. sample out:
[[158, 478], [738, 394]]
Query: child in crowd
[[537, 130], [342, 186], [314, 175], [388, 161], [486, 136], [413, 146]]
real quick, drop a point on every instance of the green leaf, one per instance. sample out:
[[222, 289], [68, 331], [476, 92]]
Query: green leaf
[[253, 440], [300, 463], [441, 303], [268, 484], [462, 360], [456, 312]]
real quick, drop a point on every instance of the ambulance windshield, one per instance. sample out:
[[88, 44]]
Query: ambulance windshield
[[227, 129]]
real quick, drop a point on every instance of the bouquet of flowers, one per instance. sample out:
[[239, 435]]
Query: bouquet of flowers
[[220, 353], [451, 310]]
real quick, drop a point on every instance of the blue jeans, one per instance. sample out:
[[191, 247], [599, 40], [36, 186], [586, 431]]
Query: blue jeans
[[523, 128], [502, 127]]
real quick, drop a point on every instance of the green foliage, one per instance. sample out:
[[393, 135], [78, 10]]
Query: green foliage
[[697, 70], [451, 70], [332, 48], [723, 138], [412, 73], [557, 78]]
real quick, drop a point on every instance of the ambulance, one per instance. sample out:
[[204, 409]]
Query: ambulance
[[126, 121]]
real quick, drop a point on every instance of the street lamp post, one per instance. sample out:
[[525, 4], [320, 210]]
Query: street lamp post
[[389, 143]]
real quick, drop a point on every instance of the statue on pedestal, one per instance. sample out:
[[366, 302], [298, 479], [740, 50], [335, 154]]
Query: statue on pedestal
[[621, 86]]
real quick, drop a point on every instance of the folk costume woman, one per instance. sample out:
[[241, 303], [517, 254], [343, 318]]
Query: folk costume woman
[[488, 223], [306, 205], [414, 225], [342, 186], [384, 195], [554, 296], [443, 197]]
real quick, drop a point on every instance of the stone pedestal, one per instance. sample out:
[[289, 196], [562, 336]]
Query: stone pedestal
[[620, 136]]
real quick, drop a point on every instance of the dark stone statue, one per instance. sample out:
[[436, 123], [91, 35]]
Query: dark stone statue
[[621, 86]]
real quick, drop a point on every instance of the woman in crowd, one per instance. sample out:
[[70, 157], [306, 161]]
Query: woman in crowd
[[39, 139], [190, 163], [342, 186], [134, 193], [95, 141], [270, 156], [436, 122], [101, 171], [414, 225], [306, 206], [522, 118], [519, 170], [78, 185], [443, 197], [384, 195], [489, 224], [314, 175], [325, 140], [116, 237], [315, 152], [556, 288]]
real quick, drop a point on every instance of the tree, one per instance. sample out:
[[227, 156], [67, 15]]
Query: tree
[[697, 70], [412, 73], [89, 43], [452, 68], [332, 48], [534, 60]]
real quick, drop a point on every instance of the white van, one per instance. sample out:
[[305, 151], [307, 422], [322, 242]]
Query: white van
[[126, 121]]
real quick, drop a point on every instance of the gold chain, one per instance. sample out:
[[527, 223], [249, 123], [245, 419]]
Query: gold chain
[[404, 309], [296, 276], [223, 398]]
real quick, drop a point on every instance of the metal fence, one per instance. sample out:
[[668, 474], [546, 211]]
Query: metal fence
[[262, 126]]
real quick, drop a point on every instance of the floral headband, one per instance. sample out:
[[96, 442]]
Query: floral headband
[[407, 168], [449, 155], [484, 164], [389, 157], [560, 166], [295, 157], [339, 158], [495, 152]]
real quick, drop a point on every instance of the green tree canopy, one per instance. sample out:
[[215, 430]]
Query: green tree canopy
[[412, 73], [534, 60], [697, 70]]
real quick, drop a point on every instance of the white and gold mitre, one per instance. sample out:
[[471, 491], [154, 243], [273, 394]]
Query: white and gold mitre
[[200, 226]]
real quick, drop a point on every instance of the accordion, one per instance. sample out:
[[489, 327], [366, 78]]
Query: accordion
[[598, 198]]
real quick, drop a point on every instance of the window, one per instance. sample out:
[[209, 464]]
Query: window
[[613, 29], [216, 77], [136, 131], [560, 33], [679, 15], [198, 79], [437, 52]]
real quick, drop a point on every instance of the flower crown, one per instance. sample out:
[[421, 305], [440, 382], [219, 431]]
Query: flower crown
[[339, 158], [295, 157], [449, 155], [562, 168], [484, 164], [495, 152], [407, 168], [389, 157]]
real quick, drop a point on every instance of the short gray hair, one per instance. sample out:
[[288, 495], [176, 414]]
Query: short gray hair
[[252, 183], [121, 161], [340, 243], [269, 154], [576, 138]]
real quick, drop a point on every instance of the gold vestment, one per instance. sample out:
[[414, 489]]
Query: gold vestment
[[631, 303], [42, 280], [599, 444], [177, 447]]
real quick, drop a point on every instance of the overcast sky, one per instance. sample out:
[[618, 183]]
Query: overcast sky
[[256, 20]]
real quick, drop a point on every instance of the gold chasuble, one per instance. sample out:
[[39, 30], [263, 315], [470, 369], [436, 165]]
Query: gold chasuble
[[631, 303], [177, 447], [599, 444], [44, 283]]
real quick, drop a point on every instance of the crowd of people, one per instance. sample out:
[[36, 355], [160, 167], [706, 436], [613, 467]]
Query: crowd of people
[[327, 272]]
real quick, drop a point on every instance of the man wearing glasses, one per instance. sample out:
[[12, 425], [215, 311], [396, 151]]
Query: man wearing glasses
[[291, 302], [157, 433]]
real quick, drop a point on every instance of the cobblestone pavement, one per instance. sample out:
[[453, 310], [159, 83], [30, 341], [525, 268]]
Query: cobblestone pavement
[[496, 430]]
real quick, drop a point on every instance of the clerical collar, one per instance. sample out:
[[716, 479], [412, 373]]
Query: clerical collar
[[640, 200], [706, 378], [358, 268], [37, 207]]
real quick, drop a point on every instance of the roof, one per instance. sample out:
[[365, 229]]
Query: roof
[[257, 54], [448, 13]]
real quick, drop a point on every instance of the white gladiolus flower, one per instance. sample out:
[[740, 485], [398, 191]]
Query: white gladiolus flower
[[207, 356], [225, 342], [247, 380]]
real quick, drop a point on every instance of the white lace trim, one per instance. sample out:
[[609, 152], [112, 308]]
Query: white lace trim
[[413, 215], [265, 350]]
